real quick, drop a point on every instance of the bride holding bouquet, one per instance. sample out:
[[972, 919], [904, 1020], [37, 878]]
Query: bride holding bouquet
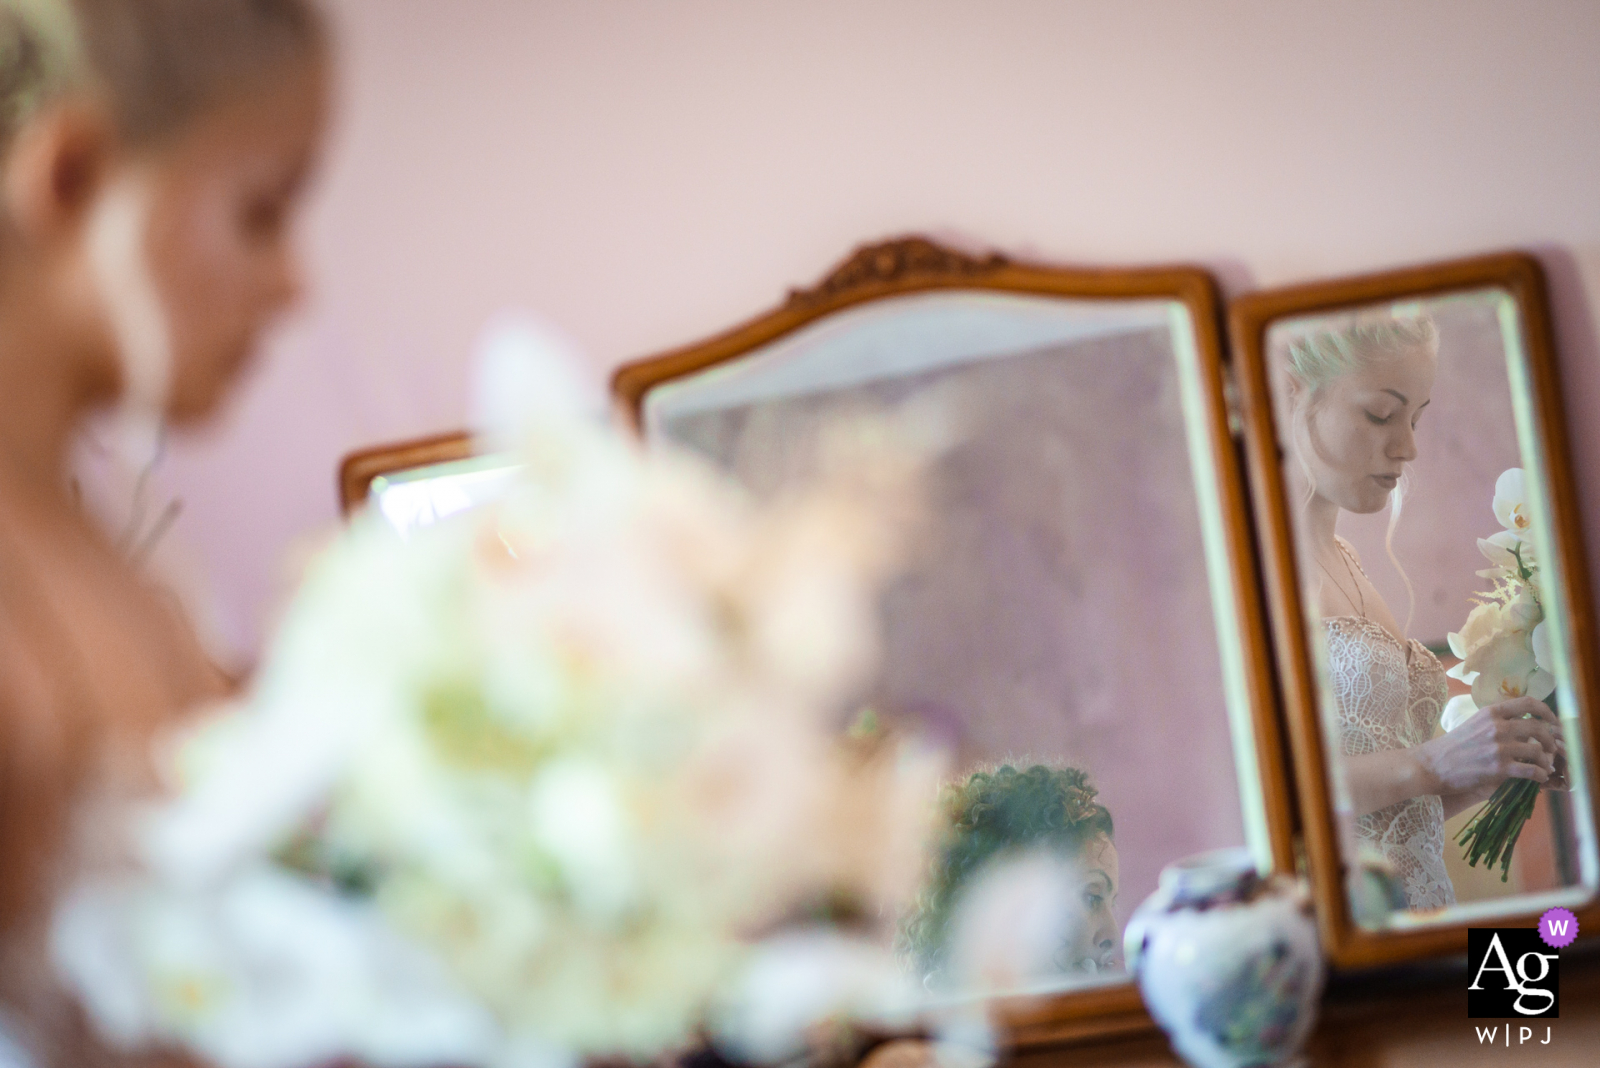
[[1355, 396]]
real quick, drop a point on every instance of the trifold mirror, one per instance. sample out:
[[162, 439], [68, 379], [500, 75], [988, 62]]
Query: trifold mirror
[[1429, 598], [1085, 597]]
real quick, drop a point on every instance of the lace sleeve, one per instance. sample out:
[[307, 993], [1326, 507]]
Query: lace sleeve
[[1385, 689]]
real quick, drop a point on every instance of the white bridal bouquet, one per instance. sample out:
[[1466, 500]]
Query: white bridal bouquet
[[561, 777], [1505, 653]]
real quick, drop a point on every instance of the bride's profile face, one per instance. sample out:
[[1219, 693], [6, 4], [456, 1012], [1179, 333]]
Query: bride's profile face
[[1356, 433]]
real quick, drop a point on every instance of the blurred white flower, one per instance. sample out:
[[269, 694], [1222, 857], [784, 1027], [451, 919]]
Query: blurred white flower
[[815, 628], [1523, 611], [267, 971], [1011, 925], [799, 981], [519, 787], [528, 376], [576, 813], [882, 811]]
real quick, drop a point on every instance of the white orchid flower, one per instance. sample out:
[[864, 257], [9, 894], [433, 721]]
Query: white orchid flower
[[1481, 625], [1511, 502], [1543, 655], [1497, 549], [1502, 549], [1524, 612], [1496, 653], [1505, 668], [261, 783], [1457, 711]]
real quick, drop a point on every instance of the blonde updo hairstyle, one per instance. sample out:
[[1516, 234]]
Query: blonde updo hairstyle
[[155, 65], [1322, 356]]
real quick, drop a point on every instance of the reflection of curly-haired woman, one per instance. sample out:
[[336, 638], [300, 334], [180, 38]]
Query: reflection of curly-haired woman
[[1003, 814]]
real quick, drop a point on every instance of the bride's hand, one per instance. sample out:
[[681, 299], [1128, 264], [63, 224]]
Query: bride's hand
[[1497, 743]]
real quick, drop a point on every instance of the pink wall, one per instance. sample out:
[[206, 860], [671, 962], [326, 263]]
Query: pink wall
[[643, 174]]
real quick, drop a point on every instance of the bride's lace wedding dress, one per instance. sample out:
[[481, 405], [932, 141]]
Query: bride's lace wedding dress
[[1389, 695]]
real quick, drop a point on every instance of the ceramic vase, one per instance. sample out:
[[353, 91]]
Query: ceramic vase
[[1228, 961]]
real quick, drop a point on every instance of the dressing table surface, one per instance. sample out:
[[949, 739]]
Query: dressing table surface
[[1396, 1020]]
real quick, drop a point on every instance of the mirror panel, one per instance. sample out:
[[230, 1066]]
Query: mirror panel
[[415, 497], [1078, 600], [1430, 534]]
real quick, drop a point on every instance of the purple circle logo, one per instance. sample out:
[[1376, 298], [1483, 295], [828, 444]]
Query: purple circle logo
[[1558, 928]]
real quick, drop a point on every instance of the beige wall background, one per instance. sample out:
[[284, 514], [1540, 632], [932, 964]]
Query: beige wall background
[[644, 174]]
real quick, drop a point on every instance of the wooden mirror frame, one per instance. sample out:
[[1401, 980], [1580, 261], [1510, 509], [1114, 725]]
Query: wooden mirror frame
[[1347, 944], [918, 265], [359, 468]]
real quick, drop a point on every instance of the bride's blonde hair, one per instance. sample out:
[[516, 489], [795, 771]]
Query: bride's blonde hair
[[1324, 355], [1321, 356], [155, 64]]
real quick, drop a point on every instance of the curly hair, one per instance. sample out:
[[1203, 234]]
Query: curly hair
[[992, 814]]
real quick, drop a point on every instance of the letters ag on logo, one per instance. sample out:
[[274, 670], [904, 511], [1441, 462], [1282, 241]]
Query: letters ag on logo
[[1511, 973]]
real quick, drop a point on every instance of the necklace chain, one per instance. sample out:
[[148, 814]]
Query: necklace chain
[[1360, 599]]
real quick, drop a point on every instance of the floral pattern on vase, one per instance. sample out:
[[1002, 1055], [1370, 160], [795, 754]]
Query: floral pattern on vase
[[1228, 961]]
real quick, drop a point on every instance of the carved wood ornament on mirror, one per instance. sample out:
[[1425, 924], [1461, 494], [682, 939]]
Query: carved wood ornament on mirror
[[1541, 429]]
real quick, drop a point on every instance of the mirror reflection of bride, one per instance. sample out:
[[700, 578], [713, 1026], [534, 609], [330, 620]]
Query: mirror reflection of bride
[[1355, 395]]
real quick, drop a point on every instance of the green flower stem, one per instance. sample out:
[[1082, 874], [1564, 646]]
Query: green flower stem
[[1505, 866], [1492, 834]]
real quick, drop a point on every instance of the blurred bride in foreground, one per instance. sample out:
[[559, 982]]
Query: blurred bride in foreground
[[152, 156]]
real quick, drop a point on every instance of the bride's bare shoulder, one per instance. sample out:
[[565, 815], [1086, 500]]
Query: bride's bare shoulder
[[77, 620]]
